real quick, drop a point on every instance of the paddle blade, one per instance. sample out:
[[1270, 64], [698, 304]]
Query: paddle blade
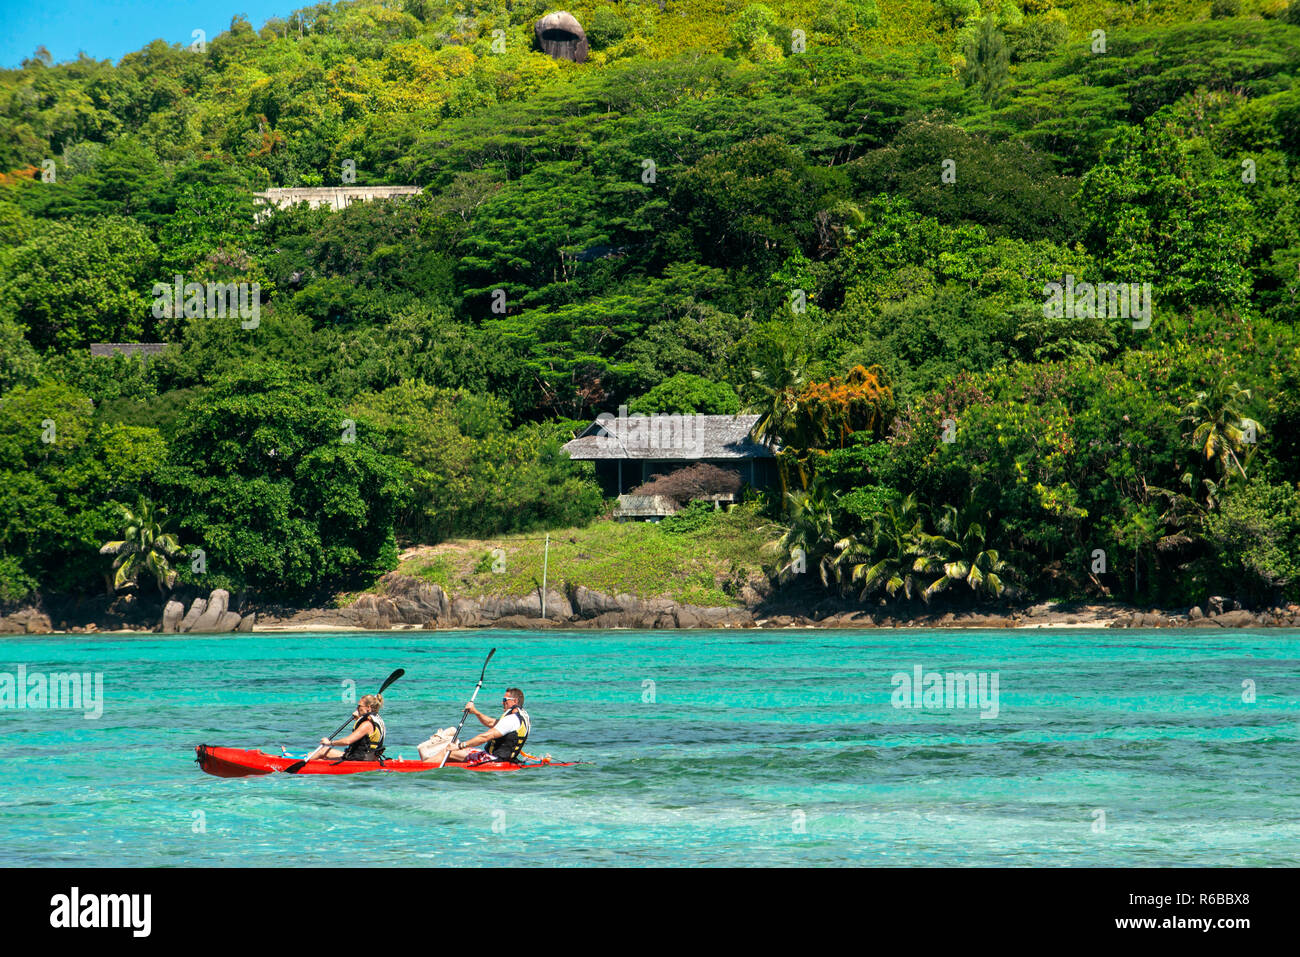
[[391, 678]]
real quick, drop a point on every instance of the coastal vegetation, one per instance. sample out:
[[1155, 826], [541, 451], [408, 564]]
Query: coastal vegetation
[[688, 560], [842, 216]]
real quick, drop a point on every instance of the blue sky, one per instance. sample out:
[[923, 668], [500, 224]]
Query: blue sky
[[107, 29]]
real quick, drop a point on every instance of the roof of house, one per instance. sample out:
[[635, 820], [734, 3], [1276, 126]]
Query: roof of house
[[667, 437]]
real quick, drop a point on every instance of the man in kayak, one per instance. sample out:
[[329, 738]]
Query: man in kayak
[[366, 742], [505, 736]]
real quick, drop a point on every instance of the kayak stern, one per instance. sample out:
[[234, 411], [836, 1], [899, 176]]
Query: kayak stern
[[218, 761]]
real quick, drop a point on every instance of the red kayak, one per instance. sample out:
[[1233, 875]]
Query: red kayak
[[238, 763]]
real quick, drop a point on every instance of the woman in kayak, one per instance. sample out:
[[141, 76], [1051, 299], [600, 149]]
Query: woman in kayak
[[366, 742]]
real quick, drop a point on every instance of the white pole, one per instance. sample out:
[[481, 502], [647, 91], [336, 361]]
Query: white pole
[[546, 559]]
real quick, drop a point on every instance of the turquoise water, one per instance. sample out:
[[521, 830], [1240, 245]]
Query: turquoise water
[[749, 748]]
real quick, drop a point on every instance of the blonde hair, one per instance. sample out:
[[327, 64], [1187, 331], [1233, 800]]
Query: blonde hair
[[373, 701]]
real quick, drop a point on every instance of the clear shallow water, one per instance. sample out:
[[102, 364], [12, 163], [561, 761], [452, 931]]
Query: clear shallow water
[[759, 748]]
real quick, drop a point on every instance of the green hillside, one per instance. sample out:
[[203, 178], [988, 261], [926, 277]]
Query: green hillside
[[848, 216]]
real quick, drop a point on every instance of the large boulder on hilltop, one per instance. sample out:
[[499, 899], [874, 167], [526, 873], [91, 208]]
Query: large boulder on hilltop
[[561, 35]]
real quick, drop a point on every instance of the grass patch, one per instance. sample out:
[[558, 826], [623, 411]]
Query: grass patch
[[702, 565]]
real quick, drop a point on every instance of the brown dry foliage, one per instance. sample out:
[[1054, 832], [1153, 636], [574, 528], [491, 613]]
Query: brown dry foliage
[[692, 481]]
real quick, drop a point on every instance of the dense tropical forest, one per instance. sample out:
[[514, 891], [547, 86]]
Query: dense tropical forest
[[885, 227]]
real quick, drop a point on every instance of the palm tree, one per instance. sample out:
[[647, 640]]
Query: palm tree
[[965, 557], [1221, 431], [814, 513], [772, 392], [146, 545], [773, 388], [894, 555]]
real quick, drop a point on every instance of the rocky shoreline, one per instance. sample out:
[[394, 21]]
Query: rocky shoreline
[[405, 603]]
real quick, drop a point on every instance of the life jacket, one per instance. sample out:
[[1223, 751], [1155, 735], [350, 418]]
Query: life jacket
[[508, 746], [371, 747]]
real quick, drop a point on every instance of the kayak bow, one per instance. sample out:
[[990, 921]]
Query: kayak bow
[[238, 763]]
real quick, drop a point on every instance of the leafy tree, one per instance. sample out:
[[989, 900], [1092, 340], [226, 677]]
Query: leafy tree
[[1038, 37], [826, 414], [1008, 187], [61, 480], [686, 394], [1254, 540], [126, 181], [81, 281], [745, 207], [987, 61], [755, 33], [690, 482], [210, 221], [19, 362], [470, 475], [605, 27], [265, 475], [1152, 215]]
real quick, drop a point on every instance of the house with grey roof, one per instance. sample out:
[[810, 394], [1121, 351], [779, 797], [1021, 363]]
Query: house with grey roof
[[628, 450], [145, 349]]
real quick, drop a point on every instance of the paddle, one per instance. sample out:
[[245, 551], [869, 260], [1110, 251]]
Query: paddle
[[299, 765], [465, 714]]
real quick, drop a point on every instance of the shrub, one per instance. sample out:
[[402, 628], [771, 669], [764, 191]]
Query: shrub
[[1256, 537], [694, 517], [15, 583], [605, 28], [959, 10]]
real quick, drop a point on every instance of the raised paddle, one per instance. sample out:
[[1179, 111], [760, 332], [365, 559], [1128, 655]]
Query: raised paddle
[[299, 765], [465, 714]]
